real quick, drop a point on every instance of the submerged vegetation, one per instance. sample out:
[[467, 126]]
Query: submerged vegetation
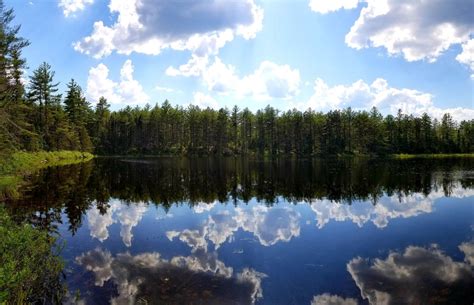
[[30, 268]]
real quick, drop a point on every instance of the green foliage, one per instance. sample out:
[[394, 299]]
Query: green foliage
[[30, 268], [431, 156], [177, 130], [17, 165], [23, 162]]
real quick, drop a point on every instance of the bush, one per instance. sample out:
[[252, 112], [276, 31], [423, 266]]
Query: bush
[[30, 267]]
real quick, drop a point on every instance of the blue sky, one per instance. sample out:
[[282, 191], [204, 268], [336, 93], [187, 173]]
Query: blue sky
[[415, 55]]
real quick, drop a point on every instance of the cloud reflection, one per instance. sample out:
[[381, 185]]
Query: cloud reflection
[[268, 225], [387, 208], [127, 215], [415, 276], [327, 299], [200, 278]]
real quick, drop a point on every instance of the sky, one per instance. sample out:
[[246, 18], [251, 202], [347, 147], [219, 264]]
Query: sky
[[414, 55]]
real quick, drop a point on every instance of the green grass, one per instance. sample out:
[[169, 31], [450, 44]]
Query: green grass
[[431, 156], [14, 167], [30, 267]]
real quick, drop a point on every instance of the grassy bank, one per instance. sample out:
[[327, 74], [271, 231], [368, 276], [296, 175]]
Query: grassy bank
[[431, 156], [14, 167]]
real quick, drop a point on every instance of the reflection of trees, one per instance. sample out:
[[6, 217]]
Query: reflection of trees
[[167, 181], [53, 191], [206, 180]]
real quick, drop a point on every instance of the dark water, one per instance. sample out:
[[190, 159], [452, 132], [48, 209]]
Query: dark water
[[179, 231]]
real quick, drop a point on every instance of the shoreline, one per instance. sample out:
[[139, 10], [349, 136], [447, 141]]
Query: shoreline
[[294, 156], [16, 166]]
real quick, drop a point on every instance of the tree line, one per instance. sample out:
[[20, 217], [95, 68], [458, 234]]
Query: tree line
[[37, 117]]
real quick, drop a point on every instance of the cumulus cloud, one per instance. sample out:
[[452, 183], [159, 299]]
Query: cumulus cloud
[[127, 91], [164, 89], [387, 208], [137, 276], [194, 67], [416, 30], [268, 225], [324, 6], [269, 80], [203, 101], [467, 55], [327, 299], [433, 273], [149, 26], [70, 7], [362, 95], [127, 215]]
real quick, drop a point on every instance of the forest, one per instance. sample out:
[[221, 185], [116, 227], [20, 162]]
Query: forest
[[35, 116]]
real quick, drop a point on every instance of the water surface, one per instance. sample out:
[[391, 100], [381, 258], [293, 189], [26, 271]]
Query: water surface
[[233, 231]]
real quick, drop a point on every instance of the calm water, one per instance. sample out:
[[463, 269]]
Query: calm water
[[179, 231]]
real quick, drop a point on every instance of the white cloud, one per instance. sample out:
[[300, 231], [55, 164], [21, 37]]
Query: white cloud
[[467, 55], [203, 101], [415, 29], [194, 67], [269, 80], [327, 299], [70, 7], [127, 91], [392, 281], [149, 26], [361, 95], [164, 89], [327, 6]]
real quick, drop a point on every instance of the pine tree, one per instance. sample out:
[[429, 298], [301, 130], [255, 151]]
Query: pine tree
[[15, 131], [43, 93], [79, 114]]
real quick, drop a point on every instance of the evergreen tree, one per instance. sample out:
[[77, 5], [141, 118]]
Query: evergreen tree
[[16, 132], [43, 93], [79, 114]]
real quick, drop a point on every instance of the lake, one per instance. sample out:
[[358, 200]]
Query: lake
[[238, 231]]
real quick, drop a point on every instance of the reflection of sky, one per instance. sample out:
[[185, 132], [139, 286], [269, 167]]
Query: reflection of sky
[[136, 277], [127, 215], [411, 277], [386, 208], [303, 264]]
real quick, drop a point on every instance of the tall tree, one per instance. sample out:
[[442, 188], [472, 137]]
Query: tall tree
[[43, 93], [15, 129], [79, 113]]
